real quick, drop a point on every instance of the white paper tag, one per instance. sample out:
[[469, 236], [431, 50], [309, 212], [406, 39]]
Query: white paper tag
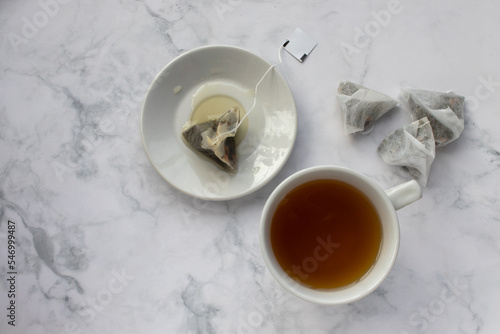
[[299, 44]]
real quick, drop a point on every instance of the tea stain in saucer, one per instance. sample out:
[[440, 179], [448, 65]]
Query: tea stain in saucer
[[210, 102]]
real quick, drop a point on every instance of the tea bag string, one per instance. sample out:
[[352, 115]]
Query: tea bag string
[[216, 140]]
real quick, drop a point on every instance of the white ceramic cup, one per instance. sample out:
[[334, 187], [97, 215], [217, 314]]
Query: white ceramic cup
[[386, 204]]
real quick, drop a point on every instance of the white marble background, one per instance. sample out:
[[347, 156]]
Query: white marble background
[[104, 245]]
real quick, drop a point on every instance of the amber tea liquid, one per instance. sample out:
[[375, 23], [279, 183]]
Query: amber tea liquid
[[326, 234]]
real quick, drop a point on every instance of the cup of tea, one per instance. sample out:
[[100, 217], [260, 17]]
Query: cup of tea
[[330, 235]]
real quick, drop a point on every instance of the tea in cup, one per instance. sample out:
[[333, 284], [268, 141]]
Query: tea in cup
[[330, 235]]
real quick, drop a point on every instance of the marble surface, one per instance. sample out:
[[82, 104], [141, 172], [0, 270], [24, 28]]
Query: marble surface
[[104, 245]]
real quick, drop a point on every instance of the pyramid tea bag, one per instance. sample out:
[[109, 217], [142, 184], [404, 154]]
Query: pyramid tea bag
[[445, 112], [215, 139], [361, 106], [411, 147]]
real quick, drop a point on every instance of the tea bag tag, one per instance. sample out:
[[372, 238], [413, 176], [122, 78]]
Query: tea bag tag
[[299, 44]]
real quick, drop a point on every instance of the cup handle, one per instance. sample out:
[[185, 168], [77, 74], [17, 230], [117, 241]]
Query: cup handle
[[404, 194]]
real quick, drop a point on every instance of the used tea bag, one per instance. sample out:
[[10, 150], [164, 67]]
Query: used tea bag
[[215, 139], [445, 111], [361, 106], [411, 147]]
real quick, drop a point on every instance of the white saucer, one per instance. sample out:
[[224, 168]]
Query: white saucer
[[230, 71]]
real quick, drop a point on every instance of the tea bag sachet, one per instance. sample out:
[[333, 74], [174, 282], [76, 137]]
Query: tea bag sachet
[[445, 112], [215, 139], [361, 106], [411, 147]]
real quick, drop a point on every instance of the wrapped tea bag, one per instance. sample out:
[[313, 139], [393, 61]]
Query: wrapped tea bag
[[445, 111], [215, 139], [361, 106], [411, 147]]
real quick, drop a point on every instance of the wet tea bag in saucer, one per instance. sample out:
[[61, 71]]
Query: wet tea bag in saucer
[[411, 147], [361, 106], [215, 139], [445, 112]]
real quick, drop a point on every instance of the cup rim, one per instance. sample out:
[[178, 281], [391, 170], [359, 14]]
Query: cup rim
[[387, 255]]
